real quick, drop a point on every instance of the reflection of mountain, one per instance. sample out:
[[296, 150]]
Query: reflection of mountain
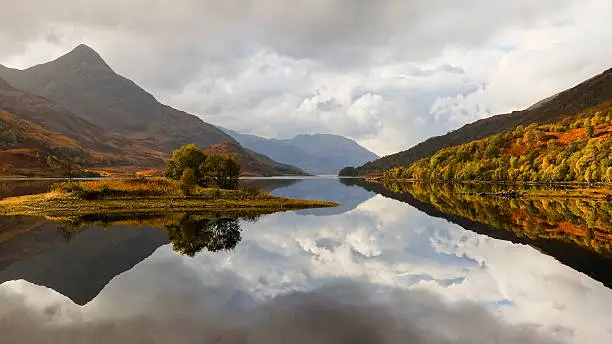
[[552, 228], [349, 197], [79, 263], [14, 188], [78, 267], [269, 184]]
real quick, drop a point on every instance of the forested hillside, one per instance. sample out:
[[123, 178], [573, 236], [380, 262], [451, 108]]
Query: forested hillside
[[577, 149], [568, 103]]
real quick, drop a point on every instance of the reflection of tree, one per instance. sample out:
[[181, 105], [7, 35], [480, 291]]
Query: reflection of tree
[[192, 235], [189, 233], [584, 222]]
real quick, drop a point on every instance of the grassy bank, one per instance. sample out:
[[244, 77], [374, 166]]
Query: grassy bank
[[158, 195]]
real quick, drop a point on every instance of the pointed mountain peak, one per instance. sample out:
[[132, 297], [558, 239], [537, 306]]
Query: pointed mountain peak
[[83, 54]]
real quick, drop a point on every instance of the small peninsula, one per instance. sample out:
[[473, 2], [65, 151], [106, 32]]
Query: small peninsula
[[153, 195], [193, 182]]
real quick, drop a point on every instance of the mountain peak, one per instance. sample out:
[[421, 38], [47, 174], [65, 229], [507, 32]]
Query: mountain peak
[[83, 54]]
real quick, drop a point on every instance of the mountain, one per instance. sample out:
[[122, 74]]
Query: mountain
[[87, 136], [252, 163], [316, 154], [25, 146], [575, 149], [83, 83], [79, 96], [565, 104]]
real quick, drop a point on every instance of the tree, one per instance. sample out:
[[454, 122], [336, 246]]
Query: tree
[[188, 181], [188, 156], [589, 129], [221, 170]]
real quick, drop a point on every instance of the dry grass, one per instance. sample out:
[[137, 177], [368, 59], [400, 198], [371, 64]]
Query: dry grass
[[145, 196]]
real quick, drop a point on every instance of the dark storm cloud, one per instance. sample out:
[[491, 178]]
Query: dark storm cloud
[[341, 312]]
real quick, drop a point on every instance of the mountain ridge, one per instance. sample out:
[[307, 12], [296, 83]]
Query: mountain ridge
[[308, 151], [80, 96], [83, 83]]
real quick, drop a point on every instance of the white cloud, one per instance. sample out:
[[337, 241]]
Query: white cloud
[[388, 75]]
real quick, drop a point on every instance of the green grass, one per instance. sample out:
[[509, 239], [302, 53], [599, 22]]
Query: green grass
[[144, 196]]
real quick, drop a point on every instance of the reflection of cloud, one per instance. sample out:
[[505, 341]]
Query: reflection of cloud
[[339, 312], [436, 281]]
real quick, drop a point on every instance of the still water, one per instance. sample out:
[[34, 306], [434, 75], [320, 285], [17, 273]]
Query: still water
[[394, 264]]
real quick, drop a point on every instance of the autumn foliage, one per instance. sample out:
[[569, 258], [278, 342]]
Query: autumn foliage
[[577, 149]]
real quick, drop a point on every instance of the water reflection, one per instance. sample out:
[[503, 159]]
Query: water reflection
[[194, 233], [577, 232], [382, 272], [78, 257], [348, 196], [21, 187]]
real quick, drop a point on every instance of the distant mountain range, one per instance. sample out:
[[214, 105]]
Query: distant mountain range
[[316, 154], [566, 104], [105, 118]]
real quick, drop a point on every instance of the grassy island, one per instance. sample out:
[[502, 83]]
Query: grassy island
[[157, 195]]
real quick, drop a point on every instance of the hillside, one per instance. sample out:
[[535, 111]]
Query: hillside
[[113, 148], [79, 96], [570, 150], [25, 147], [316, 154], [565, 104], [252, 163], [83, 83]]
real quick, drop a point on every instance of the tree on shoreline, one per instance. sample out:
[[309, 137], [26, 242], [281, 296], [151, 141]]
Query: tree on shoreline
[[217, 170]]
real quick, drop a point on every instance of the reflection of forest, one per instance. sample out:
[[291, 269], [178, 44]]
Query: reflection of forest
[[431, 199], [585, 222]]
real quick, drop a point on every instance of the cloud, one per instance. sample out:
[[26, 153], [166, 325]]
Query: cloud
[[339, 312], [388, 74]]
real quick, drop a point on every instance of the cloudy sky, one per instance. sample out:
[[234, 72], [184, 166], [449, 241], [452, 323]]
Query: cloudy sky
[[386, 73]]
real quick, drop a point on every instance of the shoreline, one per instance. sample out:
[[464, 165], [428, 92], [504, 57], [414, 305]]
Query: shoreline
[[551, 190], [53, 205], [141, 196]]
